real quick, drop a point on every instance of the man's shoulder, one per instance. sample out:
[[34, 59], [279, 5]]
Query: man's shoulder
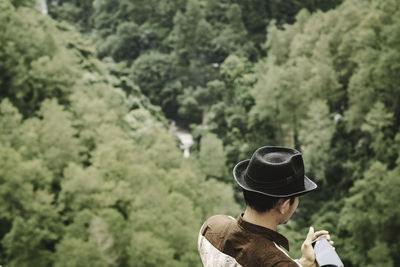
[[211, 244], [217, 222], [220, 219]]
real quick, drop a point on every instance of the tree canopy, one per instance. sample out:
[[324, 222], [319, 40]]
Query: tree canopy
[[89, 174]]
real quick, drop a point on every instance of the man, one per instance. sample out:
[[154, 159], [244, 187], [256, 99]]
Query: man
[[272, 181]]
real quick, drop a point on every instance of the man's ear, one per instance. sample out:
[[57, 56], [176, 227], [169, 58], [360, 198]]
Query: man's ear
[[283, 205]]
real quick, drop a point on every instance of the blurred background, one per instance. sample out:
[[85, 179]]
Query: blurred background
[[120, 123]]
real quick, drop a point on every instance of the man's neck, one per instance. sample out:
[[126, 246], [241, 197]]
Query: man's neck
[[265, 219]]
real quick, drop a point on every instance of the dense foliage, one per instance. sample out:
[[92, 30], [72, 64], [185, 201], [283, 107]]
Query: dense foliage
[[330, 87], [175, 46], [89, 176]]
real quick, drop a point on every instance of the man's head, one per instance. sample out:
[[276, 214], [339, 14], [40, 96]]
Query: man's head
[[283, 208], [262, 203], [272, 180]]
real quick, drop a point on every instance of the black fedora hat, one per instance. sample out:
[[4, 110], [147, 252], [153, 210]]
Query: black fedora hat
[[274, 171]]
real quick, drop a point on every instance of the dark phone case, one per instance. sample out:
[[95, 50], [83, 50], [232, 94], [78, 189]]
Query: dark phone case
[[325, 255]]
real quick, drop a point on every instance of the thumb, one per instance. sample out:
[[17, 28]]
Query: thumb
[[310, 234]]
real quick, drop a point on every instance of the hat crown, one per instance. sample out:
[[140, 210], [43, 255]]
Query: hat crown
[[275, 165]]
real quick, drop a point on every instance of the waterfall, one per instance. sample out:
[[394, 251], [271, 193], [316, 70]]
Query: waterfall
[[41, 6], [184, 137]]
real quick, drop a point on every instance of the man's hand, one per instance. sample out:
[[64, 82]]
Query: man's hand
[[307, 252]]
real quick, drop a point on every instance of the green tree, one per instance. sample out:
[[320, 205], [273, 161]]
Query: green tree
[[378, 123], [125, 44], [78, 12], [184, 36], [316, 135], [156, 75], [233, 36], [74, 252], [31, 61], [189, 110], [371, 218], [10, 121], [18, 3], [30, 225], [212, 157]]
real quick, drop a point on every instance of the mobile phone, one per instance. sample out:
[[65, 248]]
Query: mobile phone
[[325, 254]]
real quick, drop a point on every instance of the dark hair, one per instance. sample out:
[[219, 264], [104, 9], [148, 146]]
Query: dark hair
[[262, 203]]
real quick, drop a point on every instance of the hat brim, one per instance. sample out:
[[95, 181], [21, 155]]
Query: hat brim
[[239, 174]]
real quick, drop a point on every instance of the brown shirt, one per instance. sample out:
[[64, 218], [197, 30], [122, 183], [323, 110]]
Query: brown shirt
[[224, 241]]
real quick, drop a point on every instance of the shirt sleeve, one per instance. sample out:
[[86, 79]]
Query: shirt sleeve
[[296, 263]]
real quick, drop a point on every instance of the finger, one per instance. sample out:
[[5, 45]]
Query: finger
[[321, 233], [310, 235], [328, 237]]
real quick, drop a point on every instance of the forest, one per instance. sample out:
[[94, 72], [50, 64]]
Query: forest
[[90, 174]]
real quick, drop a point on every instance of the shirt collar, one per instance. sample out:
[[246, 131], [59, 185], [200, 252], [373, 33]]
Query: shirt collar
[[268, 233]]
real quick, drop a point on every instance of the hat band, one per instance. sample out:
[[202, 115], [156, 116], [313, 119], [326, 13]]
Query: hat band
[[274, 184]]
